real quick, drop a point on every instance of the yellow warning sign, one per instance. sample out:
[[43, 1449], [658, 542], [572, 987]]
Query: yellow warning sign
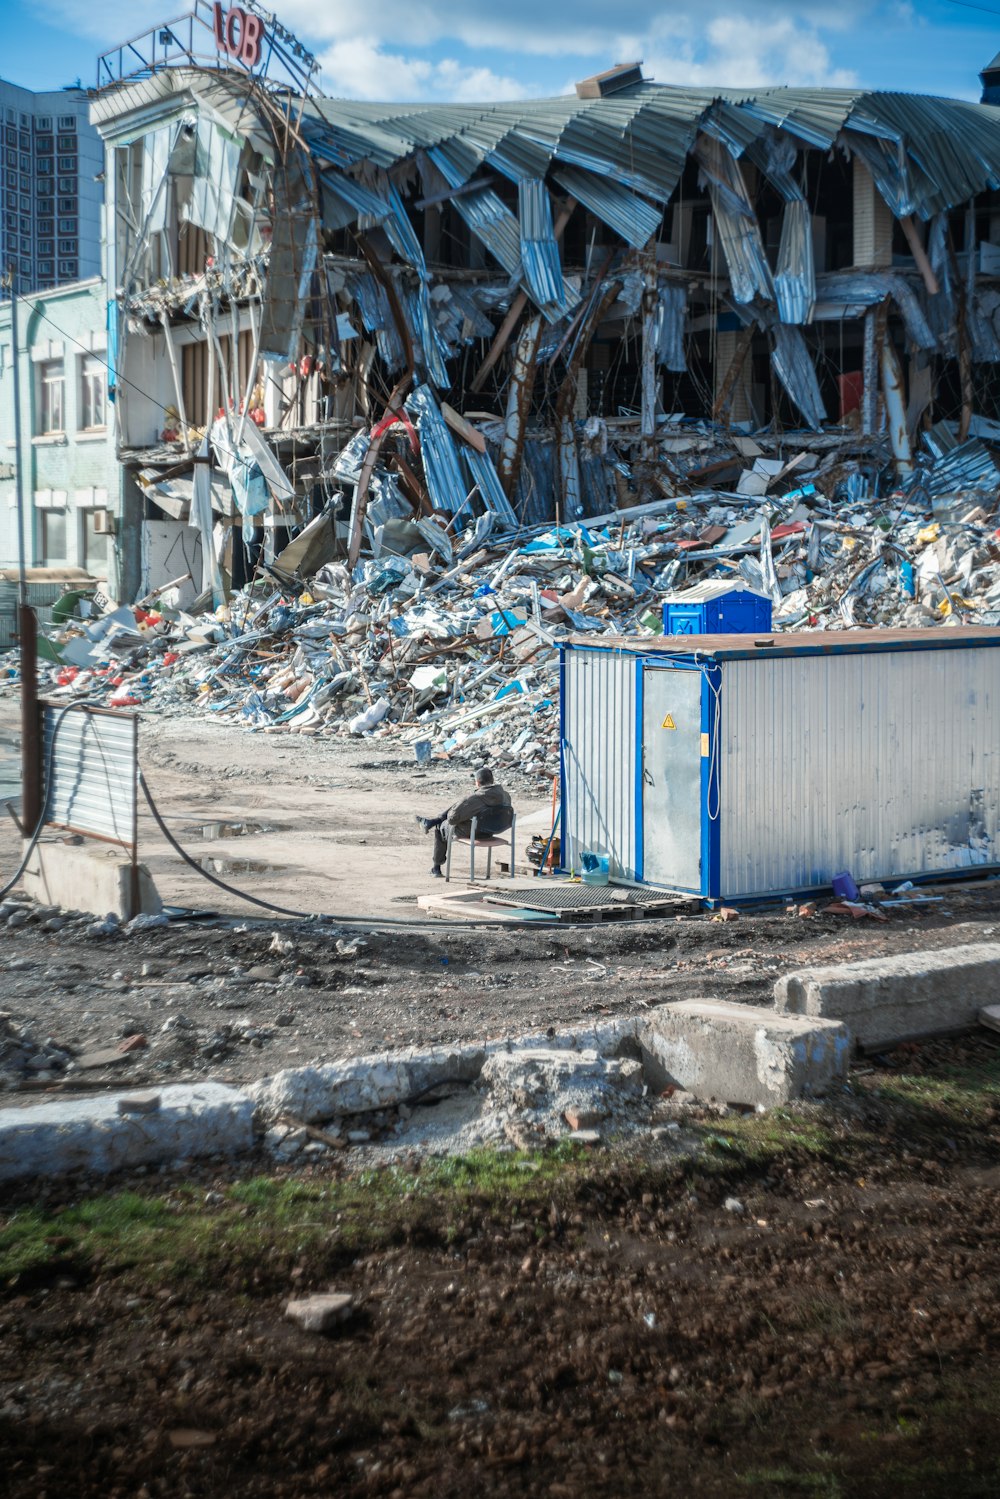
[[668, 722]]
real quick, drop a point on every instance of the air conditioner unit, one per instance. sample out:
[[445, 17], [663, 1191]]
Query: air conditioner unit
[[104, 523]]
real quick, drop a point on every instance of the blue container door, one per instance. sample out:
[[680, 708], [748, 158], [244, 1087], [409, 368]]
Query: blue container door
[[683, 621], [671, 771], [739, 616]]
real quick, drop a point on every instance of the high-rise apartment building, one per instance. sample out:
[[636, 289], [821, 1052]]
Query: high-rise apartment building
[[51, 187]]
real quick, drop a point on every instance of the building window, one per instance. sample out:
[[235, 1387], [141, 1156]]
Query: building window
[[46, 226], [52, 524], [67, 184], [46, 247], [45, 268], [67, 205], [91, 392], [51, 390], [67, 226], [67, 268], [43, 122], [67, 122], [93, 546], [67, 163], [45, 146]]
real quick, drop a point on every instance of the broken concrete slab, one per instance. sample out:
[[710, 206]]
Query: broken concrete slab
[[89, 1134], [742, 1053], [553, 1080], [360, 1085], [882, 1000]]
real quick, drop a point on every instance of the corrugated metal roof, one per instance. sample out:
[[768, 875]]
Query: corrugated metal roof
[[926, 155], [794, 367], [625, 212], [539, 251]]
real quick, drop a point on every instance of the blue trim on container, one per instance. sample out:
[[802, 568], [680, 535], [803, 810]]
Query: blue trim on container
[[711, 830], [637, 768], [788, 645], [562, 758]]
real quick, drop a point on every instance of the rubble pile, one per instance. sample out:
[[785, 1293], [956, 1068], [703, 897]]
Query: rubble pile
[[445, 636]]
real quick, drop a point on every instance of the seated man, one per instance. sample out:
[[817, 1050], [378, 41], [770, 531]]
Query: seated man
[[489, 804]]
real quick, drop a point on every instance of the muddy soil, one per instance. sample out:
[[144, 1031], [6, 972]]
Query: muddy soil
[[624, 1330]]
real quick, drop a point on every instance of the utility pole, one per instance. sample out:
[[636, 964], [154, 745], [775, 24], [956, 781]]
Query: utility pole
[[27, 625]]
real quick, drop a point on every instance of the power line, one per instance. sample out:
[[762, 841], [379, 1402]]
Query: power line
[[970, 5]]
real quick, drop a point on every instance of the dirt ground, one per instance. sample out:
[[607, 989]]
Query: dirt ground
[[243, 997], [808, 1305], [797, 1304]]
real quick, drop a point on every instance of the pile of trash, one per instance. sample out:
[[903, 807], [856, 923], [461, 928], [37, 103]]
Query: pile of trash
[[447, 639]]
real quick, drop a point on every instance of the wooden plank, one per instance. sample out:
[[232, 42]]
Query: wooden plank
[[464, 429]]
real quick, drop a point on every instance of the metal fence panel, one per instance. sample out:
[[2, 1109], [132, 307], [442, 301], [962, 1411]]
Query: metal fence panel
[[92, 772]]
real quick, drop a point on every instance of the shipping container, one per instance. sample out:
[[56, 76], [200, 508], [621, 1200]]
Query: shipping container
[[742, 768]]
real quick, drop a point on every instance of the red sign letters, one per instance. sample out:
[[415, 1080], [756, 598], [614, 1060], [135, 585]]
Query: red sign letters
[[239, 33]]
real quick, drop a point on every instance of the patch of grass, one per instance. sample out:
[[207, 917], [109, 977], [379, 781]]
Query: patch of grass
[[757, 1139], [125, 1221], [786, 1480], [268, 1221]]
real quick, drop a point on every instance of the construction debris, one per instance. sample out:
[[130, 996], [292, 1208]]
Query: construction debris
[[444, 633]]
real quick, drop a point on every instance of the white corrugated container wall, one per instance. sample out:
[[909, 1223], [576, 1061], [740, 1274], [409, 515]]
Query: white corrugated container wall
[[598, 775], [886, 764]]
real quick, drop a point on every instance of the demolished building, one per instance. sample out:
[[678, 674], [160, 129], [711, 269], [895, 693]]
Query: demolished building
[[340, 326]]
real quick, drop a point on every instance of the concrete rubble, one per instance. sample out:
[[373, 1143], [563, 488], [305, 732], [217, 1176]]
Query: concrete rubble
[[590, 1084], [455, 654], [90, 1134], [655, 1072], [884, 1000]]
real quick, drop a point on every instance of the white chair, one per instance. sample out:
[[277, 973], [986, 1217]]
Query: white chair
[[489, 843]]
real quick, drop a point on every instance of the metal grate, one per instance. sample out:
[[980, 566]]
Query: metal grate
[[580, 897]]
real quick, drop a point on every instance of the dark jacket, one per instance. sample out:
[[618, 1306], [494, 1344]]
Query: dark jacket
[[489, 805]]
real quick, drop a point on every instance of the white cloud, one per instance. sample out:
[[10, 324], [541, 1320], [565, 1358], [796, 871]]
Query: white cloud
[[359, 69], [369, 52], [735, 52]]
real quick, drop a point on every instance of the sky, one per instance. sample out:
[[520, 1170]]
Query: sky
[[484, 50]]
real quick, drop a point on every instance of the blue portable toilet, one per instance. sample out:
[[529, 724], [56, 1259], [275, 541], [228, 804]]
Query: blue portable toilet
[[720, 606]]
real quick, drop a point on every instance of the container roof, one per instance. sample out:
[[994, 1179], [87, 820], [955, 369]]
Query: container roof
[[801, 643], [713, 588]]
